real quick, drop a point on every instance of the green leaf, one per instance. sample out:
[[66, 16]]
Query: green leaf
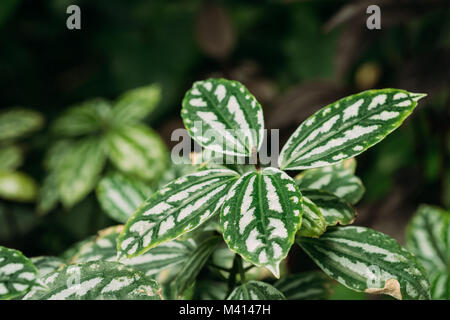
[[314, 223], [138, 150], [177, 208], [260, 217], [334, 209], [207, 289], [338, 179], [192, 267], [256, 290], [11, 158], [310, 285], [47, 264], [18, 122], [428, 237], [78, 170], [164, 256], [96, 280], [17, 273], [87, 118], [367, 260], [135, 105], [48, 196], [223, 116], [17, 186], [347, 128], [440, 286], [120, 195]]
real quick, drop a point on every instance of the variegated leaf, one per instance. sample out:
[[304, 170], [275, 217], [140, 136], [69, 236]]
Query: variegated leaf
[[260, 217], [138, 150], [96, 280], [440, 286], [11, 157], [347, 128], [314, 223], [74, 249], [367, 260], [135, 105], [310, 285], [17, 122], [120, 195], [223, 116], [338, 179], [194, 264], [47, 264], [17, 273], [86, 118], [177, 208], [334, 209], [78, 169], [256, 290], [428, 237], [164, 256], [17, 186]]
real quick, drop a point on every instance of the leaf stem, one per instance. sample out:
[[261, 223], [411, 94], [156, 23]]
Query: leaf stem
[[241, 268], [232, 275], [219, 267]]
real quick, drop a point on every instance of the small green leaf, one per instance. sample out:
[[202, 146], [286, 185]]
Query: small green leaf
[[366, 260], [11, 158], [347, 128], [96, 280], [138, 150], [48, 196], [135, 105], [87, 118], [314, 223], [311, 285], [428, 237], [17, 273], [78, 170], [334, 209], [194, 264], [18, 122], [17, 186], [440, 286], [47, 264], [177, 208], [120, 195], [338, 179], [256, 290], [219, 109], [260, 217]]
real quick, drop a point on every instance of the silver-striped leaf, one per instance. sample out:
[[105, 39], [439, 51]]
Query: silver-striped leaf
[[135, 105], [260, 217], [177, 208], [338, 179], [18, 122], [47, 264], [96, 280], [120, 195], [314, 223], [17, 273], [428, 237], [223, 116], [347, 128], [165, 256], [312, 285], [194, 264], [440, 286], [367, 260], [137, 150], [334, 209], [256, 290]]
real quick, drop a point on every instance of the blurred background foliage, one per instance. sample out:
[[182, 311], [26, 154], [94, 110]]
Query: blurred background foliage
[[294, 56]]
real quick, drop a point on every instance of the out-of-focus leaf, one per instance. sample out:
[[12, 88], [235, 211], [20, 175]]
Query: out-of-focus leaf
[[440, 286], [18, 122], [11, 157], [256, 290], [89, 117], [138, 150], [135, 105], [305, 286], [48, 196], [210, 290], [78, 170], [120, 195], [17, 186]]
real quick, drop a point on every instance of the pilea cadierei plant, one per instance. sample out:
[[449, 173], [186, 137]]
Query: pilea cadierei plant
[[259, 212]]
